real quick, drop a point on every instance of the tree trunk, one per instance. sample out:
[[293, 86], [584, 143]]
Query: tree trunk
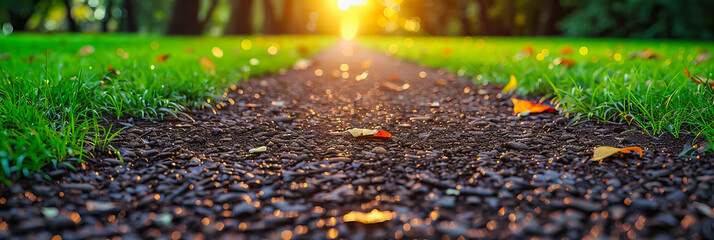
[[241, 20], [129, 20], [294, 18], [484, 23], [21, 13], [464, 18], [107, 16], [270, 24], [73, 27], [551, 14], [184, 18]]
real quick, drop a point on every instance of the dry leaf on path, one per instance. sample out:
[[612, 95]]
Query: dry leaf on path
[[375, 216], [521, 106], [363, 132], [511, 85], [392, 86], [603, 152], [258, 149]]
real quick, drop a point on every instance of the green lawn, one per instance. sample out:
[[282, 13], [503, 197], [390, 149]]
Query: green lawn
[[608, 80], [55, 90]]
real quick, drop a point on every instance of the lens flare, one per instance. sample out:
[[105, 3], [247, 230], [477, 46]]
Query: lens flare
[[350, 26], [346, 4]]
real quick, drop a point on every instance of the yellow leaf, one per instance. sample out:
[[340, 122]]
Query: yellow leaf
[[511, 84], [375, 216], [258, 149], [358, 132], [602, 152]]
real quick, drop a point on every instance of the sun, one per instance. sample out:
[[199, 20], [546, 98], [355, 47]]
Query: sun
[[346, 4]]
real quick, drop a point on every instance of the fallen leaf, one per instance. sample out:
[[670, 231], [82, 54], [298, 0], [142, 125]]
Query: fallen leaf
[[441, 81], [207, 65], [49, 212], [699, 79], [563, 62], [528, 50], [394, 77], [302, 49], [566, 50], [100, 206], [111, 70], [644, 54], [258, 149], [302, 64], [161, 58], [383, 134], [702, 57], [521, 106], [86, 50], [392, 86], [567, 62], [363, 132], [375, 216], [602, 152], [511, 85]]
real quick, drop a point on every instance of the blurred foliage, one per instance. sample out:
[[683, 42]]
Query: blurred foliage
[[686, 19], [639, 18]]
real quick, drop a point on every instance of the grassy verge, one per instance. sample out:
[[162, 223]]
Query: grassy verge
[[620, 81], [54, 90]]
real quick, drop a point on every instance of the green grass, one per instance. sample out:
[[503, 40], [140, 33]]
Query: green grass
[[54, 93], [604, 84]]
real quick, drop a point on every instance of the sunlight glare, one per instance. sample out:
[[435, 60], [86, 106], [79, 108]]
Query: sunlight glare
[[350, 26], [346, 4]]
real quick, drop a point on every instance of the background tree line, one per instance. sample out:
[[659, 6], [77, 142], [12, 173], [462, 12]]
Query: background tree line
[[580, 18]]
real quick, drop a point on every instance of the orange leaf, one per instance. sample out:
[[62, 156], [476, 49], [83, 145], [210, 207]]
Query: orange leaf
[[302, 49], [447, 52], [161, 58], [699, 79], [112, 70], [394, 77], [566, 50], [567, 62], [603, 152], [528, 49], [207, 65], [384, 134], [520, 106]]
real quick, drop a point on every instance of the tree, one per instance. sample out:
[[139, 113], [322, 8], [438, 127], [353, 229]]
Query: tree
[[19, 12], [184, 18], [241, 19], [129, 23], [73, 27]]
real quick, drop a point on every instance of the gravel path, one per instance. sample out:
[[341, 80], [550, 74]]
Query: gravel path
[[459, 164]]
